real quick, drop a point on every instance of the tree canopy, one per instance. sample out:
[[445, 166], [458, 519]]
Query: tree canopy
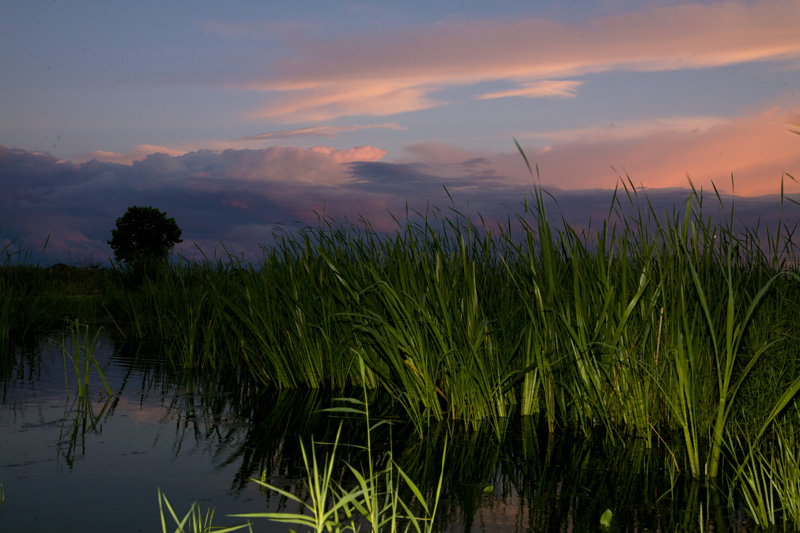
[[144, 234]]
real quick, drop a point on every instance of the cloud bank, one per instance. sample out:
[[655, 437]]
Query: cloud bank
[[239, 197]]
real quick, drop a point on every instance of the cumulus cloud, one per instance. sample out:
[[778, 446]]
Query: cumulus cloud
[[139, 152], [232, 196], [379, 75]]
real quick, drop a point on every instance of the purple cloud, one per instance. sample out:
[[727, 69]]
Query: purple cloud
[[239, 197]]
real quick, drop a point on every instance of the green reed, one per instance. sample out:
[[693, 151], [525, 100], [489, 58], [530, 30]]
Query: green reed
[[376, 497], [785, 468], [24, 308], [194, 521], [81, 354], [180, 310], [651, 324], [756, 481], [767, 472], [647, 324], [288, 316]]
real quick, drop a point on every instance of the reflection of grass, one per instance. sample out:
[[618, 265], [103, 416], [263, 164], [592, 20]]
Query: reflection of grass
[[84, 421], [80, 351]]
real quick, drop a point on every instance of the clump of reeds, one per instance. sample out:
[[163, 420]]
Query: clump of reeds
[[194, 521], [376, 497], [80, 352], [654, 323]]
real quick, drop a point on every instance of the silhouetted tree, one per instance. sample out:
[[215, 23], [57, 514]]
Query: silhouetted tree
[[144, 236]]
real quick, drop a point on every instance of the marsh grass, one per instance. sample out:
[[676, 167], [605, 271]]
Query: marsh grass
[[194, 521], [768, 473], [650, 325], [785, 468], [35, 299], [80, 352], [24, 308], [383, 499], [676, 328]]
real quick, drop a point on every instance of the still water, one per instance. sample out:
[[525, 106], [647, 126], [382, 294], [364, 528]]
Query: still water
[[72, 465]]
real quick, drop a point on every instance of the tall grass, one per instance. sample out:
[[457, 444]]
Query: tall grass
[[24, 310], [80, 352], [194, 521], [653, 325], [376, 498]]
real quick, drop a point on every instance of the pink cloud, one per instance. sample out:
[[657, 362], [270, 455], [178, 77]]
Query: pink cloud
[[239, 196], [139, 152], [383, 75], [340, 98], [319, 165], [757, 149], [558, 89], [623, 130], [360, 153], [659, 153]]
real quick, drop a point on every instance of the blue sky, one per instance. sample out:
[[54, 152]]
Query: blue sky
[[263, 112]]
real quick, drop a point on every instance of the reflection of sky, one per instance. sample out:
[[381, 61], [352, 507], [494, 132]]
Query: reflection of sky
[[56, 477]]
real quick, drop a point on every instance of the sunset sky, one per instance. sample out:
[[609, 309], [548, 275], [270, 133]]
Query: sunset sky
[[237, 116]]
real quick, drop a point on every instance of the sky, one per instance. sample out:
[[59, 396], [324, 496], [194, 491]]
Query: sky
[[239, 118]]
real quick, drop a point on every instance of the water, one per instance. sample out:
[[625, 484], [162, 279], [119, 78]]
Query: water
[[67, 465], [97, 465]]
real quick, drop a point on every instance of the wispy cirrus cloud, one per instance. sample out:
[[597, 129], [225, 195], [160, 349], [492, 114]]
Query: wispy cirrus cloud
[[539, 89], [621, 130], [334, 98], [380, 75], [316, 131]]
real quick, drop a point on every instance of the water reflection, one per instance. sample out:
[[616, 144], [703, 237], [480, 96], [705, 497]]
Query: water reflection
[[203, 436], [81, 418]]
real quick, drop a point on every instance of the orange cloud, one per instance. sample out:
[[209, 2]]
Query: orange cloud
[[383, 75], [335, 99], [757, 149], [659, 153], [360, 153], [126, 158]]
